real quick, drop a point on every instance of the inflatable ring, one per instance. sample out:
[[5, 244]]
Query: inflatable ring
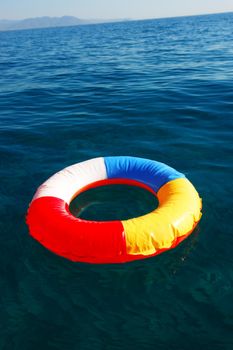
[[51, 223]]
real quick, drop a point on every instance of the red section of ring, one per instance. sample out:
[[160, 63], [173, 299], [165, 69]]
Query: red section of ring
[[54, 227], [51, 223]]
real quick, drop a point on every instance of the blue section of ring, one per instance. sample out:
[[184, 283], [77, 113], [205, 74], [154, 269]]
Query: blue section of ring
[[153, 174]]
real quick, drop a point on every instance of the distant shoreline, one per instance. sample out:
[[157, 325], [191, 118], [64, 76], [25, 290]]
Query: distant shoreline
[[70, 21], [51, 22]]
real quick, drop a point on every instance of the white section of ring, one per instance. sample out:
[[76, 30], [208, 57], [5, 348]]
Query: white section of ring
[[70, 180]]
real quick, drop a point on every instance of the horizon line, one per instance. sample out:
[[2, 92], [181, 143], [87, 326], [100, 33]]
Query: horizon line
[[118, 18]]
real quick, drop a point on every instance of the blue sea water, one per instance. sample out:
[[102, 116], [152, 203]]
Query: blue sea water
[[158, 89]]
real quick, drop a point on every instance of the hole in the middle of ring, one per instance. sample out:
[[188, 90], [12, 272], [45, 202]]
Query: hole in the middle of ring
[[113, 202]]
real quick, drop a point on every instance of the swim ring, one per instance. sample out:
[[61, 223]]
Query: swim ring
[[51, 223]]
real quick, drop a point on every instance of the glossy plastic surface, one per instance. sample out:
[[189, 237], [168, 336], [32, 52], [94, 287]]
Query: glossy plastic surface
[[51, 223]]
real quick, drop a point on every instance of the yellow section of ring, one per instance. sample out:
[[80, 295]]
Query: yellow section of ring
[[178, 212]]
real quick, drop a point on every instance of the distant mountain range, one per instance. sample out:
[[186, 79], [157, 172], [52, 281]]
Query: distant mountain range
[[48, 22]]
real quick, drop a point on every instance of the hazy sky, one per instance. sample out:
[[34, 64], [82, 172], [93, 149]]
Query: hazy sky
[[15, 9]]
